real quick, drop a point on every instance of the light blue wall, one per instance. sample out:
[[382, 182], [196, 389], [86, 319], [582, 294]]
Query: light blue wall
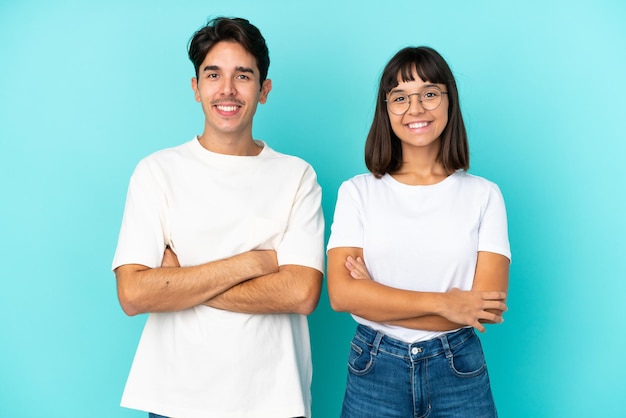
[[88, 88]]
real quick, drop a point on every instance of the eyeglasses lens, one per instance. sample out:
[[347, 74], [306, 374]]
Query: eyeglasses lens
[[399, 103]]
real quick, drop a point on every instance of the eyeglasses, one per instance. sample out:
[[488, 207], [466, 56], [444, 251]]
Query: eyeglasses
[[430, 98]]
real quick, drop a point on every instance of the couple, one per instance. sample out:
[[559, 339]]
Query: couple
[[222, 244]]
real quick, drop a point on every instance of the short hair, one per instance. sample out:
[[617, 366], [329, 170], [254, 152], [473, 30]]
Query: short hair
[[234, 30], [383, 150]]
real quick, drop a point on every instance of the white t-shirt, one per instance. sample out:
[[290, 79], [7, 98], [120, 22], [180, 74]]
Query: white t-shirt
[[420, 238], [205, 362]]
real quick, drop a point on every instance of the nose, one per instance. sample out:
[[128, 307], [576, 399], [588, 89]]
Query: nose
[[415, 105], [228, 87]]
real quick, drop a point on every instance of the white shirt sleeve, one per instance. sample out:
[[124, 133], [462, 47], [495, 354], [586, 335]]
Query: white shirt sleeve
[[144, 231], [493, 233], [347, 227], [303, 240]]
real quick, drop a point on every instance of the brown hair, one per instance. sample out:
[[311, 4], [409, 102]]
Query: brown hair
[[227, 29], [383, 151]]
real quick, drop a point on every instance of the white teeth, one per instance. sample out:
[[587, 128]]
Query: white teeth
[[227, 108], [418, 125]]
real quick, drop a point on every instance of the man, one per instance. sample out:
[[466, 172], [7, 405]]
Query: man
[[222, 244]]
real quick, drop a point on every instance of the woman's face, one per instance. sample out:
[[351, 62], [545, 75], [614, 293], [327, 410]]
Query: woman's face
[[418, 127]]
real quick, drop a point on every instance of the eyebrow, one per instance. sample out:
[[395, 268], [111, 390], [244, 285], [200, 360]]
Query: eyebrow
[[425, 86], [238, 69]]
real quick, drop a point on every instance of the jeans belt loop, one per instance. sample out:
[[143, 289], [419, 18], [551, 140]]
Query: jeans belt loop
[[446, 345], [376, 343]]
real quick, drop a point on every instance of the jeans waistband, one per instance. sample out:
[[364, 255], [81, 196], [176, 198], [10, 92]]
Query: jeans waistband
[[417, 350]]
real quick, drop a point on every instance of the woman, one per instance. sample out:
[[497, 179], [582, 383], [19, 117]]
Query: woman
[[418, 254]]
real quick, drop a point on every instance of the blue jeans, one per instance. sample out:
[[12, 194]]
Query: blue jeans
[[443, 377]]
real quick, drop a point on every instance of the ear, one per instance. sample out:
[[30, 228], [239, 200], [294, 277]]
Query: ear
[[265, 90], [194, 87]]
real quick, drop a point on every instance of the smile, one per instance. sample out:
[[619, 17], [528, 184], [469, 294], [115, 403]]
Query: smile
[[418, 125], [231, 108]]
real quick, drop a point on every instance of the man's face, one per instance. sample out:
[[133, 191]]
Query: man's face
[[229, 89]]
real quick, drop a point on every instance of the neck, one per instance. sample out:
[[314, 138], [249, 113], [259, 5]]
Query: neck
[[420, 172], [230, 145], [420, 165]]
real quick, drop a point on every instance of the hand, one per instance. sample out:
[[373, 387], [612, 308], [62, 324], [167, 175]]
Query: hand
[[472, 308], [267, 261], [169, 258], [357, 268]]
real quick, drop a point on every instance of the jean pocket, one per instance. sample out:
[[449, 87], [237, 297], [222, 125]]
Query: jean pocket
[[467, 358], [360, 359]]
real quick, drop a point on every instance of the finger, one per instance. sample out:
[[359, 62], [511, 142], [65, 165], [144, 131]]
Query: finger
[[352, 268], [357, 267], [361, 270], [492, 317], [494, 295], [500, 306], [480, 327]]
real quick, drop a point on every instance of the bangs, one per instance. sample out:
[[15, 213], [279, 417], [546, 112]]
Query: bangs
[[407, 63]]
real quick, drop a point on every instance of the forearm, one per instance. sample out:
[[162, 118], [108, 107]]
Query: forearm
[[376, 302], [142, 289], [293, 289], [427, 323], [492, 274], [424, 310], [351, 289]]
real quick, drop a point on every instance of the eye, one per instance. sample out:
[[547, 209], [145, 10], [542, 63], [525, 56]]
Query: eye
[[430, 94], [211, 75], [398, 98], [243, 77]]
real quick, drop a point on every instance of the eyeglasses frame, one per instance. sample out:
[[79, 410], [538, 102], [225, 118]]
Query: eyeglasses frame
[[419, 95]]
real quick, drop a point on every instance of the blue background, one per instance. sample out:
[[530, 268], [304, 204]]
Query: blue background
[[89, 88]]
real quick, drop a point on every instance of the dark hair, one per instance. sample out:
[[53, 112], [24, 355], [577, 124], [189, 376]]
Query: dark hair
[[234, 30], [383, 150]]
